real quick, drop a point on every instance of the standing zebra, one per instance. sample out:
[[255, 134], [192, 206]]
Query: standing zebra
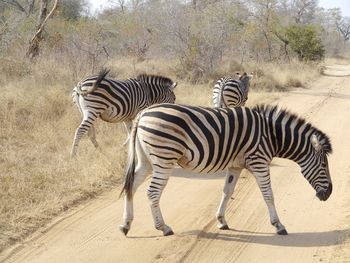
[[229, 92], [117, 101], [207, 140]]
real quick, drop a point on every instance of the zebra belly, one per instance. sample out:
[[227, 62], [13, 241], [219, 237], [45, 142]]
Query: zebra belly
[[185, 163]]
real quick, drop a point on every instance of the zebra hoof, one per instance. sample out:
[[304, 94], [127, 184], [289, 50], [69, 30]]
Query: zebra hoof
[[282, 232], [223, 227], [169, 233], [124, 229]]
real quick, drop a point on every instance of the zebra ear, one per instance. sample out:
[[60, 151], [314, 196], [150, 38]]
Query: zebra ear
[[243, 76], [173, 85], [250, 76], [315, 143]]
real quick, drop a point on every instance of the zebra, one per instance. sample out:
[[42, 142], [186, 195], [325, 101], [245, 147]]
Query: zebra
[[117, 101], [230, 92], [206, 140]]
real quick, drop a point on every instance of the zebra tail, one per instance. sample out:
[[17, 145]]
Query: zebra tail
[[75, 95], [130, 167], [221, 102], [101, 75]]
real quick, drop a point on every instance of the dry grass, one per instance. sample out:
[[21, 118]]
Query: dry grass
[[38, 179], [281, 77]]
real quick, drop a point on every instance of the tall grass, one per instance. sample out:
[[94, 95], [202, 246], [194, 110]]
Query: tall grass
[[38, 180]]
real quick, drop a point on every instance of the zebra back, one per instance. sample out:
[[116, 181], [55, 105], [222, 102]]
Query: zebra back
[[230, 92], [120, 100], [96, 81], [160, 88]]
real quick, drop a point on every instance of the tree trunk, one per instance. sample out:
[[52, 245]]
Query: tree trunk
[[43, 12], [194, 4], [17, 5], [31, 7], [33, 48]]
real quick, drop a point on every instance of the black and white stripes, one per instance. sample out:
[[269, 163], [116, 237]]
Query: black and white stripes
[[230, 92], [117, 101], [207, 140]]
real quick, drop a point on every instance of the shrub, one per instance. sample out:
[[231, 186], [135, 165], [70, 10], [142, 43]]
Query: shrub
[[305, 42]]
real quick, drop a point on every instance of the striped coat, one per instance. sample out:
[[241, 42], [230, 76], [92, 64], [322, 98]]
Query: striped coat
[[117, 101], [207, 140], [230, 92]]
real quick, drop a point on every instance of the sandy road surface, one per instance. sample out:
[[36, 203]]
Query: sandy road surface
[[318, 231]]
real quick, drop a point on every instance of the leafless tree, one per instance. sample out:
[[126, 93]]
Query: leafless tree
[[17, 5], [33, 48], [343, 26], [264, 13], [303, 10], [31, 6], [26, 8], [122, 5]]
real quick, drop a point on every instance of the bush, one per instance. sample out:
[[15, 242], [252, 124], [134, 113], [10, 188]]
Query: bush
[[304, 40]]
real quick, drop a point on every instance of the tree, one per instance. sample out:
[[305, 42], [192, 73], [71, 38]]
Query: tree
[[303, 10], [33, 48], [15, 4], [304, 41], [264, 12], [72, 10], [343, 26]]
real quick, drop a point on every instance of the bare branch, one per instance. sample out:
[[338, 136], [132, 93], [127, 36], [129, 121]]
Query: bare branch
[[15, 4], [33, 49]]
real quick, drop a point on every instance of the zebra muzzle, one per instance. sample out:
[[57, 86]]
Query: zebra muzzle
[[324, 194]]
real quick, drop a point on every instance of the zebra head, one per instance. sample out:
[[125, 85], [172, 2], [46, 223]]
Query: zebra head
[[315, 166], [245, 80], [161, 88]]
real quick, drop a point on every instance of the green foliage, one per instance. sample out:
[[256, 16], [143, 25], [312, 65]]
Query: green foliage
[[305, 42], [72, 10]]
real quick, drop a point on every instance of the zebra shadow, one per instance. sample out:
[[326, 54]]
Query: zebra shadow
[[305, 239]]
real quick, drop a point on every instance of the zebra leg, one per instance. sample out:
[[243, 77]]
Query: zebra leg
[[142, 169], [232, 176], [262, 176], [92, 136], [141, 172], [154, 191], [85, 125], [128, 125]]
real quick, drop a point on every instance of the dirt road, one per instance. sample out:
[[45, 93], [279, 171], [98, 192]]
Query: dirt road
[[318, 231]]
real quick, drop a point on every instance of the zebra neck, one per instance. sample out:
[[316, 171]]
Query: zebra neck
[[154, 94], [293, 144]]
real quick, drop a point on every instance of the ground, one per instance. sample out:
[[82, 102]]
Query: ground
[[318, 231]]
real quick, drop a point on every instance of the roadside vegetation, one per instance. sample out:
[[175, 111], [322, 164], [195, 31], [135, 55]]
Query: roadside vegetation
[[284, 43]]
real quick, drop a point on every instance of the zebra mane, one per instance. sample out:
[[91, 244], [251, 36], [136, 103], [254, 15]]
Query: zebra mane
[[275, 112], [145, 78]]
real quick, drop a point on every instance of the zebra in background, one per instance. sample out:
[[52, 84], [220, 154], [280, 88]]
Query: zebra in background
[[205, 140], [230, 92], [117, 101]]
